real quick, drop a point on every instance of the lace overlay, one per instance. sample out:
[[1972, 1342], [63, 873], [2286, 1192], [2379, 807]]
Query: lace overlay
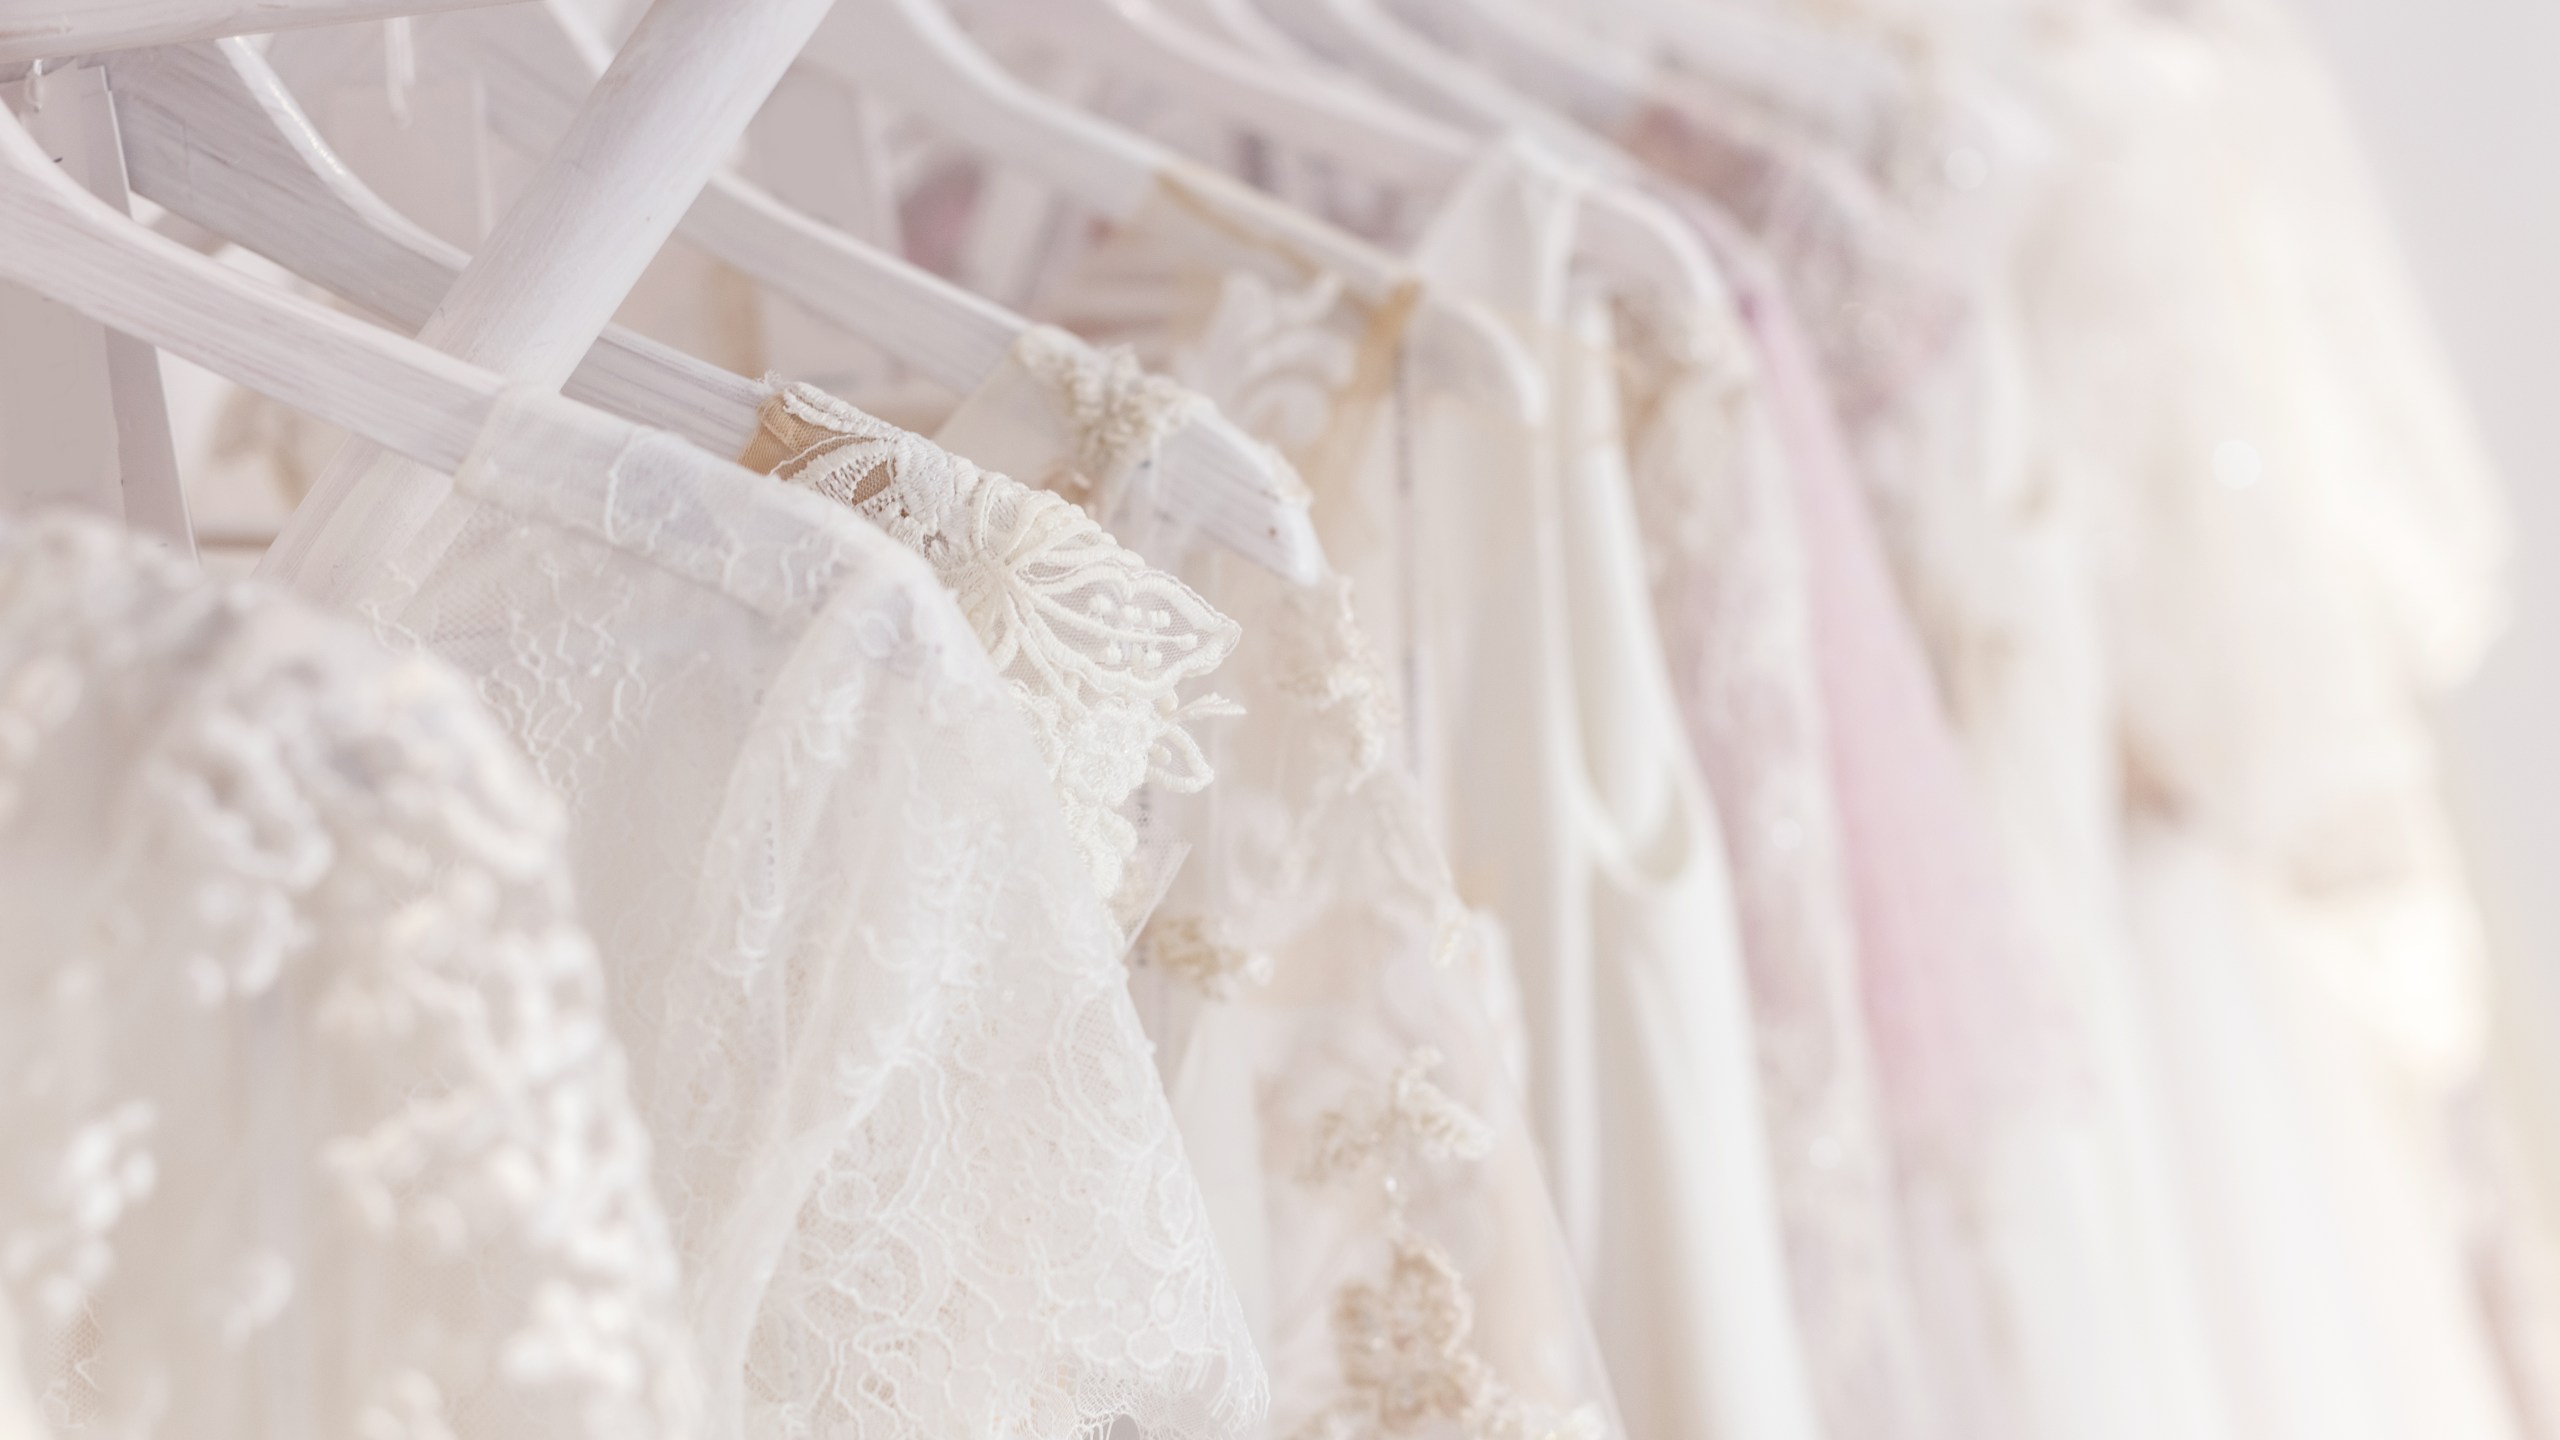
[[1313, 854], [316, 1126], [1096, 645], [1733, 593], [1402, 1336], [919, 1168], [1119, 412]]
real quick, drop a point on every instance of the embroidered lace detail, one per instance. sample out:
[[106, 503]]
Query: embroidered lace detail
[[1325, 662], [1411, 1119], [307, 1077], [1120, 412], [910, 1135], [1402, 1339], [1202, 951], [1095, 644]]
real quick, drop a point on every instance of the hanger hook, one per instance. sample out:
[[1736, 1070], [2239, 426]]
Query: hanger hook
[[35, 87]]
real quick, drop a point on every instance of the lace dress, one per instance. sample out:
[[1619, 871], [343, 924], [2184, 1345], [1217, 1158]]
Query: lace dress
[[1846, 1048], [1505, 591], [2025, 1079], [315, 1124], [1372, 1183], [2300, 545], [921, 1172]]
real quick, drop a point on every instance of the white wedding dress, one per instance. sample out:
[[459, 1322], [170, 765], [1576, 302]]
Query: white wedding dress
[[1373, 1185], [1504, 588], [316, 1127], [922, 1176], [2053, 1228], [2300, 547]]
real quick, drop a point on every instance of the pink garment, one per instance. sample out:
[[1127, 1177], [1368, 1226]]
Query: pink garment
[[1959, 1019]]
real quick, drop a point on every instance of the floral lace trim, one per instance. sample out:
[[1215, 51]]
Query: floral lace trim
[[1402, 1339], [1095, 644], [1326, 662], [345, 854], [1120, 412], [1204, 952]]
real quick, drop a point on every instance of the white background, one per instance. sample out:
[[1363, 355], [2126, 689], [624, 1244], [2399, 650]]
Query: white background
[[2457, 103]]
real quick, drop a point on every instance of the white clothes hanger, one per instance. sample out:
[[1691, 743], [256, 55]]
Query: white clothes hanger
[[1358, 36], [911, 53], [1597, 84], [84, 419], [58, 239], [1849, 87], [546, 282], [59, 29], [677, 95], [1381, 142], [1240, 24], [1628, 234], [211, 134], [1314, 111], [538, 66]]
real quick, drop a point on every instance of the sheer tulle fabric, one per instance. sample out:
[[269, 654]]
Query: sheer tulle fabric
[[1489, 595], [920, 1171], [1310, 981], [2300, 544], [2022, 1084], [317, 1128], [1103, 653], [1716, 487]]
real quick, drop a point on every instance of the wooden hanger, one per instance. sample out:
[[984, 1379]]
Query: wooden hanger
[[911, 53], [1309, 110], [1621, 236], [1849, 88], [1598, 85], [1623, 232], [211, 134], [85, 415], [58, 29], [58, 239], [537, 66], [547, 280]]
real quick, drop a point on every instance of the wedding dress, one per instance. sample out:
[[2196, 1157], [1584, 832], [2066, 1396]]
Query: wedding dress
[[1504, 588], [1734, 593], [1833, 1183], [2035, 1155], [921, 1173], [316, 1125], [2301, 547], [1373, 1185]]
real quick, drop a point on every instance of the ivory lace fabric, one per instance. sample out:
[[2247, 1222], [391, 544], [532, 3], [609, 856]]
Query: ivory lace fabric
[[1098, 648], [922, 1176], [1372, 1183], [1847, 1011], [1498, 622], [316, 1124], [2087, 1237], [2297, 544]]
